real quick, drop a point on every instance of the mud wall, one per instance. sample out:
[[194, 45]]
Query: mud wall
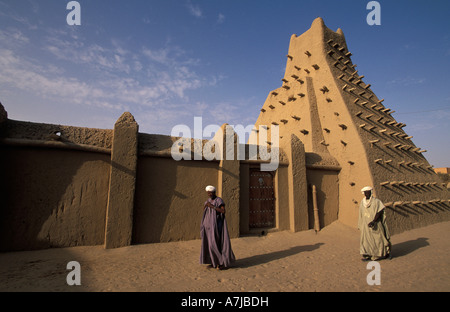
[[52, 198], [327, 194], [169, 198], [53, 185], [64, 186]]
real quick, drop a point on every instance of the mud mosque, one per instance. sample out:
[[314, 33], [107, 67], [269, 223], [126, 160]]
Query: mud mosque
[[64, 186]]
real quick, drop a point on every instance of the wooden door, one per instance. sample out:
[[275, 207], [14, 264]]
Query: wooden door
[[262, 199]]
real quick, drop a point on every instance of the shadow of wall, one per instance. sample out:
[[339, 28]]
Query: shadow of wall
[[52, 198]]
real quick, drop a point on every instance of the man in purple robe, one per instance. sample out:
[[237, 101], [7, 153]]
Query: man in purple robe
[[216, 245]]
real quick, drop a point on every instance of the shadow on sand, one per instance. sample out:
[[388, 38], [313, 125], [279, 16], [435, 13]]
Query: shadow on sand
[[405, 248], [265, 258]]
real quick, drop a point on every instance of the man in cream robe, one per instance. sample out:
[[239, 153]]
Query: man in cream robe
[[375, 238]]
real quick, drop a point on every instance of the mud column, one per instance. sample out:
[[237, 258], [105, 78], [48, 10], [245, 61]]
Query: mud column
[[119, 213], [298, 196], [228, 178]]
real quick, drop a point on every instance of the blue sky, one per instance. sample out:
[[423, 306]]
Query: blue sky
[[168, 61]]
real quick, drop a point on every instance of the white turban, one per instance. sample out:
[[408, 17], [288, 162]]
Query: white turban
[[367, 188], [210, 188]]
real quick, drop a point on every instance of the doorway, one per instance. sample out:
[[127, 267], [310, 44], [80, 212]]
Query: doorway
[[261, 199]]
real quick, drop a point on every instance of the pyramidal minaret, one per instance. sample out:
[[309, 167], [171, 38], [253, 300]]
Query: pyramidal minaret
[[325, 102]]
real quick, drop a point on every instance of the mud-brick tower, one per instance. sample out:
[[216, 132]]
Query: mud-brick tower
[[325, 102]]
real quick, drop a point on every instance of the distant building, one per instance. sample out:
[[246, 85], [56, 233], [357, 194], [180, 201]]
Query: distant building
[[442, 170]]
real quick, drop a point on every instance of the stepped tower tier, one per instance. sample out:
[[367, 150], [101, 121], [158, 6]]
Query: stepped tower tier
[[324, 100]]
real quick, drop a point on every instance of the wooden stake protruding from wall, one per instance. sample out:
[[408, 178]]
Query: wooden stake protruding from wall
[[304, 131]]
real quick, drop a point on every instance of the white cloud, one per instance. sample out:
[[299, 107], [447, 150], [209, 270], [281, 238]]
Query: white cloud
[[407, 81], [194, 9], [159, 55], [23, 75], [6, 12], [12, 37], [220, 18], [168, 72], [94, 55], [69, 70], [106, 76]]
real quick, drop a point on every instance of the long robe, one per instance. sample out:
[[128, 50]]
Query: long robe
[[375, 241], [216, 245]]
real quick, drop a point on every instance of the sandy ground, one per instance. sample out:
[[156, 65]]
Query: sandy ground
[[280, 261]]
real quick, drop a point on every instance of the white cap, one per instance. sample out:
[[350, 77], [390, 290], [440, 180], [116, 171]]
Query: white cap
[[210, 188], [367, 188]]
